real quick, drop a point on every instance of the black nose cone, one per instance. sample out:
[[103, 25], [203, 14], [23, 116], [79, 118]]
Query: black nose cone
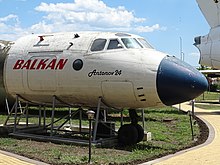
[[178, 82]]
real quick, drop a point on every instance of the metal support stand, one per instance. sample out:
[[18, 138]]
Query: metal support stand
[[26, 115], [16, 111], [41, 128], [122, 117], [80, 120], [7, 106], [143, 118], [191, 125], [97, 119], [193, 108], [44, 124], [52, 116], [90, 139], [105, 115], [70, 116], [10, 113], [39, 123], [90, 117]]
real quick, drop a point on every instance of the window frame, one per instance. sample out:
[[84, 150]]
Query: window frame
[[134, 39], [119, 41], [99, 50], [147, 45]]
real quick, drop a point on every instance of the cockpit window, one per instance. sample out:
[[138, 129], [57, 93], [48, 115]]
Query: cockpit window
[[98, 45], [145, 43], [114, 44], [131, 43]]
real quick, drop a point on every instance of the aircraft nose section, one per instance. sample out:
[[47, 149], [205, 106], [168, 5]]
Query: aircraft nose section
[[178, 82]]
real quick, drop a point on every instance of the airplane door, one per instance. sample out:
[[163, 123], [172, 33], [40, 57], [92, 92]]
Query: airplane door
[[42, 80], [118, 93]]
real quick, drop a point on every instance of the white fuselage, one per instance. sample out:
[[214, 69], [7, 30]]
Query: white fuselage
[[209, 45], [37, 70], [79, 68]]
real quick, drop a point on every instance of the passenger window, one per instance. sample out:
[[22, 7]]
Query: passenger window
[[114, 44], [98, 45]]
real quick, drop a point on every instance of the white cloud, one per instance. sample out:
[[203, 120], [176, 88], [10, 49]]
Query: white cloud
[[9, 17], [89, 12], [77, 16], [92, 15], [41, 27], [10, 27], [144, 29]]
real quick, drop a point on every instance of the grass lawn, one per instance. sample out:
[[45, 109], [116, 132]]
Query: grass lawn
[[208, 106], [170, 130], [208, 96], [209, 101]]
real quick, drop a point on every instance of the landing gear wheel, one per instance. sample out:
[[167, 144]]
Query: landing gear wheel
[[140, 131], [127, 134]]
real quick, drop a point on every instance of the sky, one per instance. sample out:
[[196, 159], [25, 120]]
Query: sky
[[164, 23]]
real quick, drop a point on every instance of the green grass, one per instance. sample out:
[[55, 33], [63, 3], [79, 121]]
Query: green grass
[[208, 101], [170, 130], [208, 106], [207, 96]]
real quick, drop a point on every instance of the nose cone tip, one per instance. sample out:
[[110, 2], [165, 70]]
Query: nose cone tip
[[178, 82]]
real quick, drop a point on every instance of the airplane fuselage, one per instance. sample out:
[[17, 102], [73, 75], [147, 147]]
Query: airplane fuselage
[[121, 76], [209, 45], [78, 68]]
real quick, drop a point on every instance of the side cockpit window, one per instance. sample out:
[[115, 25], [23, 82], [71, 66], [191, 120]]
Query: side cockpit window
[[144, 43], [131, 43], [114, 44], [98, 45]]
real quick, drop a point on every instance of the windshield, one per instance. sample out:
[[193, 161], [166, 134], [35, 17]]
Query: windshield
[[131, 43], [145, 43]]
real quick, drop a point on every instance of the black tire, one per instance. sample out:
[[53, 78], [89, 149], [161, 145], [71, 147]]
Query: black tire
[[140, 131], [127, 135]]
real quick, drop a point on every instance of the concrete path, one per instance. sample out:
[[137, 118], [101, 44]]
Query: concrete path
[[205, 154], [7, 158]]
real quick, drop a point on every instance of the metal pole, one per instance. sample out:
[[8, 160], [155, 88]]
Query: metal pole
[[181, 49], [52, 117], [96, 119], [7, 106], [105, 115], [80, 120], [193, 108], [70, 116], [90, 140], [16, 111], [26, 114], [39, 116], [143, 118], [44, 117], [191, 125], [122, 117], [90, 117]]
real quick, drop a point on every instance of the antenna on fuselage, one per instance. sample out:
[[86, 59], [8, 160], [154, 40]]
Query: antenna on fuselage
[[181, 49]]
